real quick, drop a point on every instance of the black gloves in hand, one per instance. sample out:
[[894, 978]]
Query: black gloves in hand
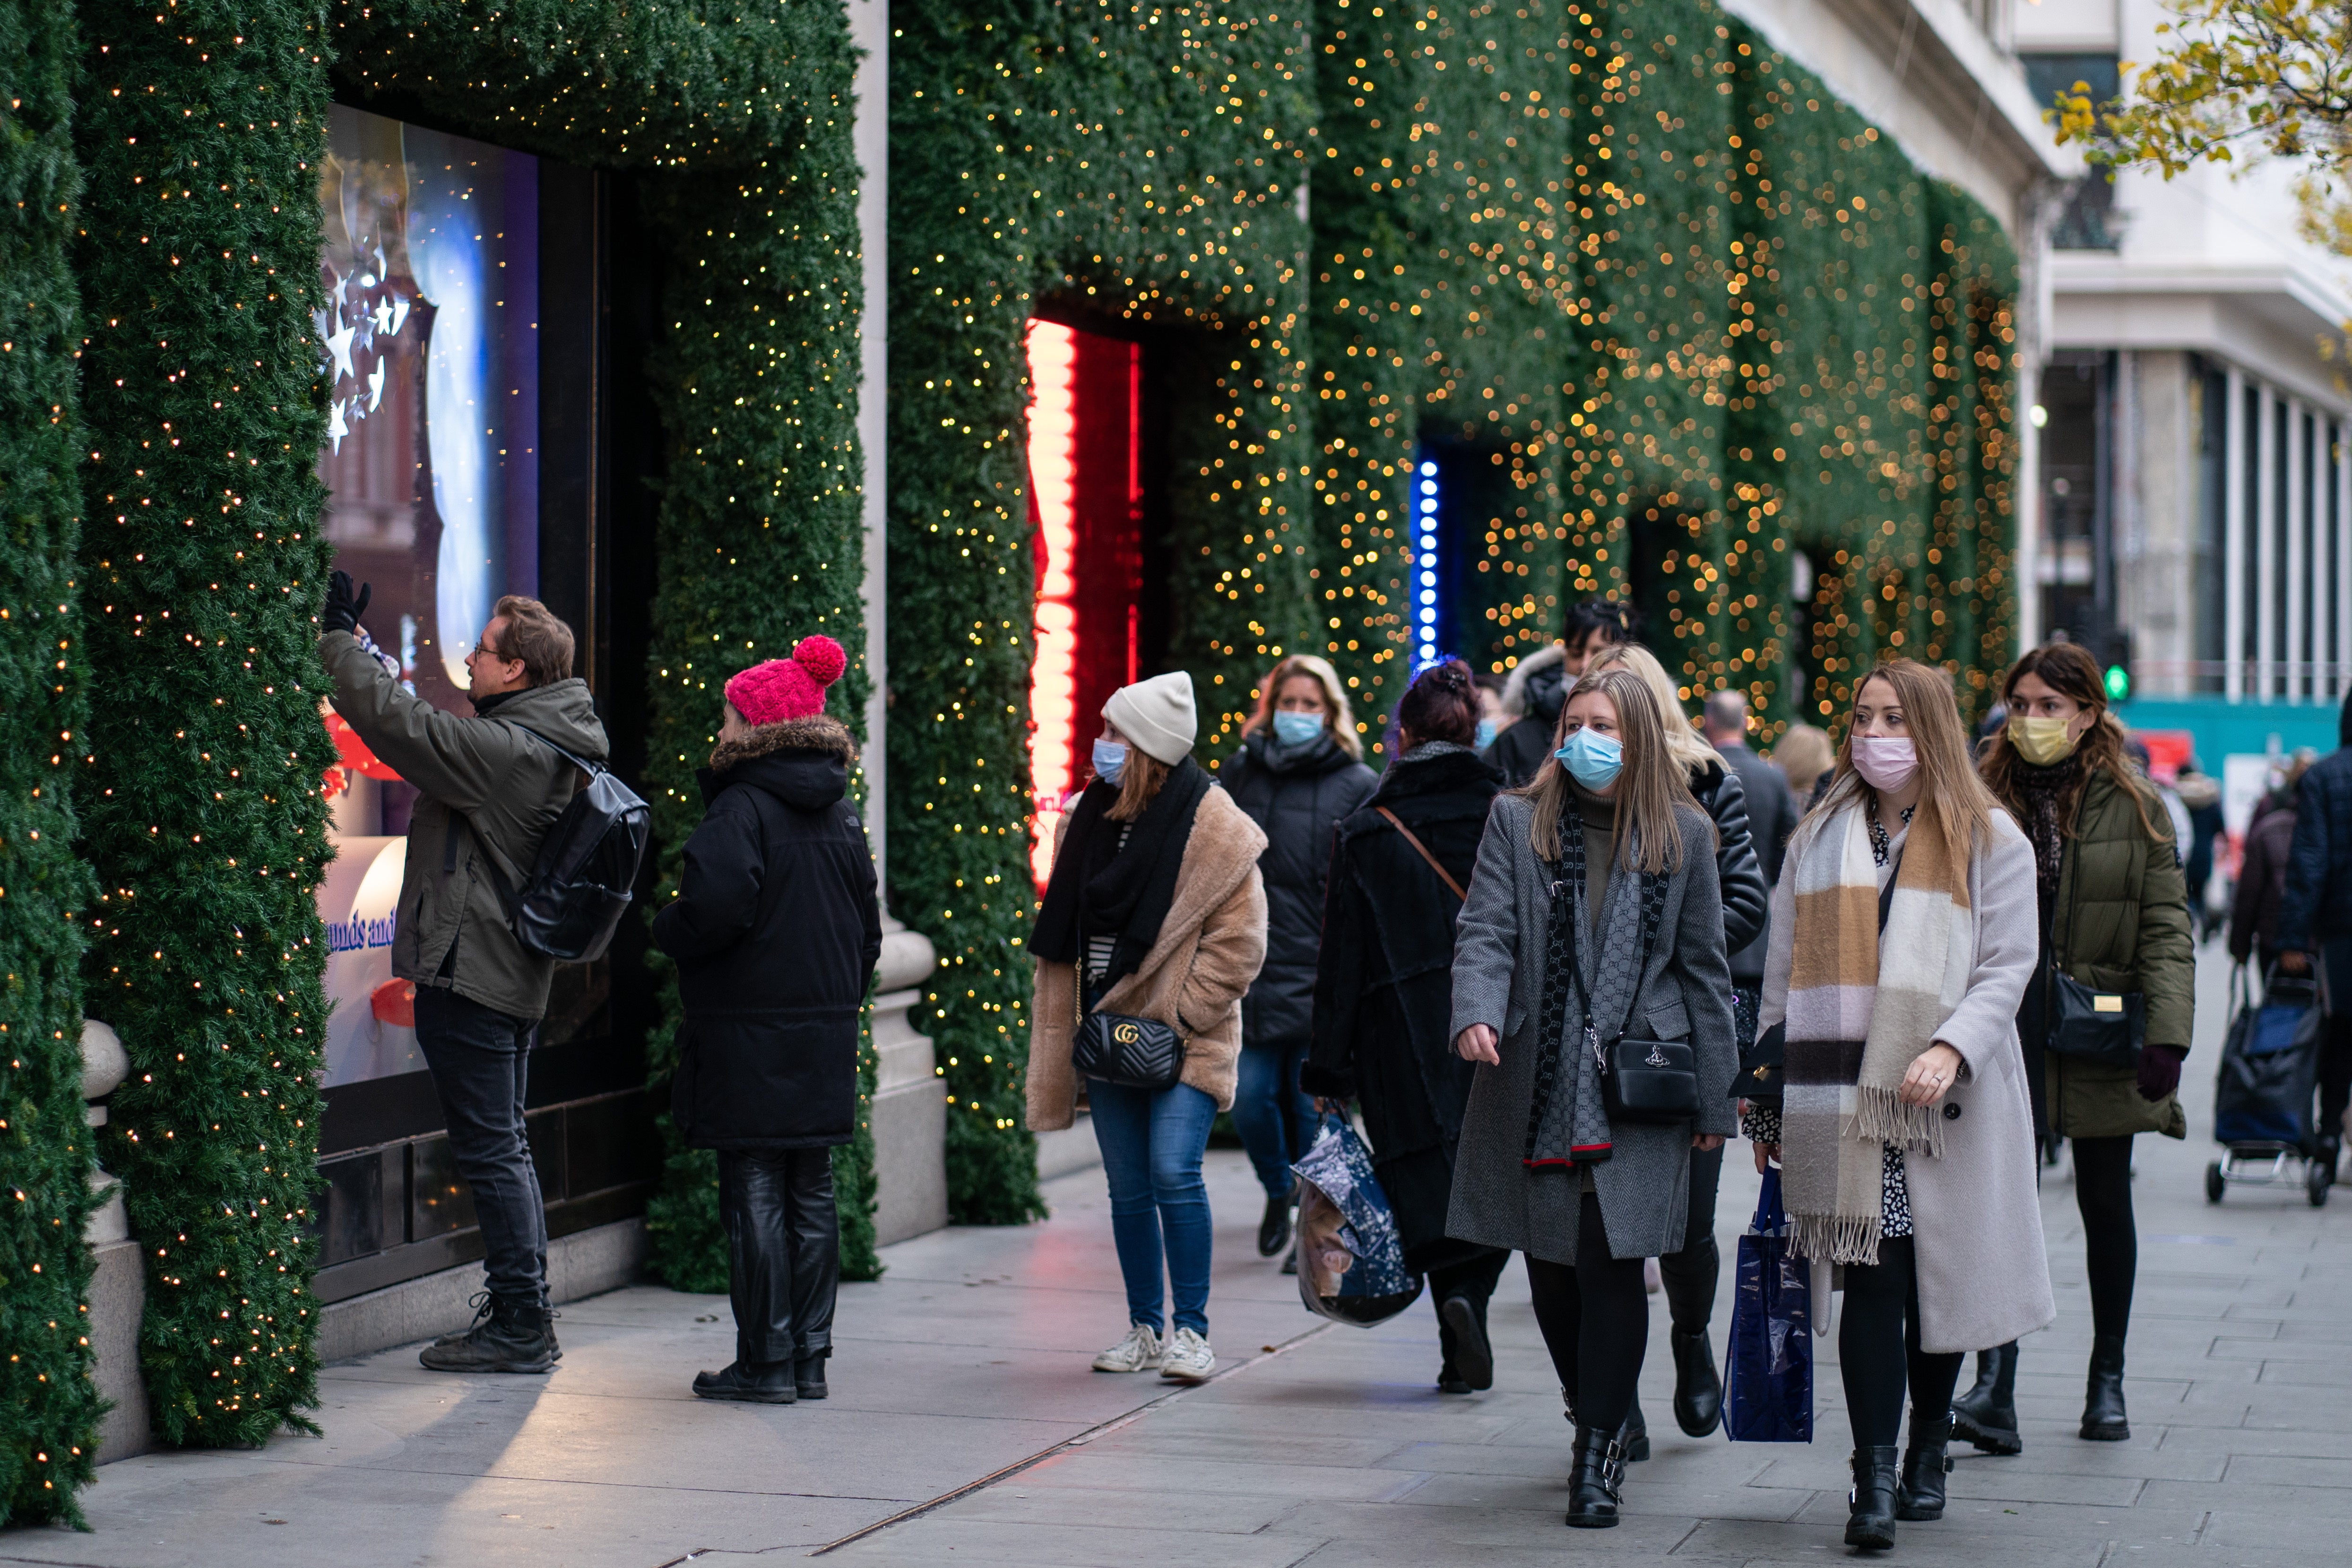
[[344, 608]]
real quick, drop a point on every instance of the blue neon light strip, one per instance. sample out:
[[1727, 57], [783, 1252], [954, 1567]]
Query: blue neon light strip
[[1425, 572]]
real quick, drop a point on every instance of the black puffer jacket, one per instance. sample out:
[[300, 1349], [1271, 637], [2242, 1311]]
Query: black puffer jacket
[[1297, 796], [775, 930], [1747, 902], [1534, 693], [1383, 995], [2317, 909]]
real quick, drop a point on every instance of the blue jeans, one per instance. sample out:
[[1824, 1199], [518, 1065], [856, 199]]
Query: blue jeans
[[1151, 1149], [1272, 1113]]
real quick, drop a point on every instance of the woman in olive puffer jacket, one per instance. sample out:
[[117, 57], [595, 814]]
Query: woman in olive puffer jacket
[[2114, 908]]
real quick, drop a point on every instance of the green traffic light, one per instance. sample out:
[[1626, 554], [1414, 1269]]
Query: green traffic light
[[2118, 683]]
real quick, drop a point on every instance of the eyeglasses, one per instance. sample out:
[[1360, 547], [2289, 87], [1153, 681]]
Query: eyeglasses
[[482, 652]]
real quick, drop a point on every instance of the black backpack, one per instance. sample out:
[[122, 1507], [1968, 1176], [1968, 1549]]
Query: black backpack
[[579, 889]]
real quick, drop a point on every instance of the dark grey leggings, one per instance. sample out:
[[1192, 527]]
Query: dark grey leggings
[[1595, 1318]]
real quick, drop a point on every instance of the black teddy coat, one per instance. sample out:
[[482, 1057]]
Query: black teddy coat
[[1297, 796], [775, 930], [1384, 991]]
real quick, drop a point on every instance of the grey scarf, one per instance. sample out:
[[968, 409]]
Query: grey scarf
[[1567, 1120]]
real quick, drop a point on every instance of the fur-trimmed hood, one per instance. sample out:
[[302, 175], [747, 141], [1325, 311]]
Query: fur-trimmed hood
[[1538, 684], [804, 763]]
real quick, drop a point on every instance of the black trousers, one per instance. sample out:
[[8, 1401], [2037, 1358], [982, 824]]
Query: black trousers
[[2335, 1072], [784, 1251], [1595, 1318], [1878, 1348], [1690, 1275], [1474, 1280], [479, 1060]]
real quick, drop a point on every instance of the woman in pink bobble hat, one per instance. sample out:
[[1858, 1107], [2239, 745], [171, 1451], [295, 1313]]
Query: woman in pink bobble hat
[[774, 929]]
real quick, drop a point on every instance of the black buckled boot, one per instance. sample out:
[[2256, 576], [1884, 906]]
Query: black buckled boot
[[2103, 1402], [1595, 1480], [1986, 1414], [1919, 1495], [749, 1383], [508, 1336], [1869, 1523], [1698, 1389]]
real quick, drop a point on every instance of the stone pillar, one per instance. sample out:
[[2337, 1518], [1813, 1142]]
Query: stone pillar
[[911, 1106], [118, 1290]]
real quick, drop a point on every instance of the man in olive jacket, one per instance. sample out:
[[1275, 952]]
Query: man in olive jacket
[[489, 793]]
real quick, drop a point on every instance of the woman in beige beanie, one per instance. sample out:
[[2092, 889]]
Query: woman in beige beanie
[[1155, 911]]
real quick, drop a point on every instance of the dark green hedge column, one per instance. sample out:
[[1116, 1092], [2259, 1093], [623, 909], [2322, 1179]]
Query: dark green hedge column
[[201, 133], [49, 1409]]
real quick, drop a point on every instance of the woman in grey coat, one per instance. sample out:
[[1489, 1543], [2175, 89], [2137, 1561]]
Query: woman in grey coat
[[1594, 913]]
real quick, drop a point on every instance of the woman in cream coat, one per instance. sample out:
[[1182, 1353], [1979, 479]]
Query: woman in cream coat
[[1906, 1136]]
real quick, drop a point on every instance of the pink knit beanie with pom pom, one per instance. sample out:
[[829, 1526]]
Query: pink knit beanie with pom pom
[[792, 688]]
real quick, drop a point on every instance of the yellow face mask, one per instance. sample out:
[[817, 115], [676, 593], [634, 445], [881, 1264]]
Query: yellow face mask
[[2041, 742]]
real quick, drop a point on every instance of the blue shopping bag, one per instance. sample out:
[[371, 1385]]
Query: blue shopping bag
[[1351, 1265], [1769, 1389]]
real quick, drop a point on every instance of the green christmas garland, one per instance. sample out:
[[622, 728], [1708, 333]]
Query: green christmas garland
[[49, 1430], [1659, 300]]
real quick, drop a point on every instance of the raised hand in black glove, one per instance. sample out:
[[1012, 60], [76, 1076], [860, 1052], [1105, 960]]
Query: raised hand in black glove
[[344, 608]]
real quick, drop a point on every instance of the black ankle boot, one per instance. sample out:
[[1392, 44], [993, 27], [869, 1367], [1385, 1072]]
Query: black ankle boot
[[1871, 1522], [1635, 1434], [1698, 1391], [1274, 1226], [1986, 1414], [1595, 1478], [748, 1383], [808, 1375], [1919, 1495], [2103, 1403], [508, 1336]]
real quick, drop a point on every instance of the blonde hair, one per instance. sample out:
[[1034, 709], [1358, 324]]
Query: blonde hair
[[1651, 784], [1338, 718], [1952, 798], [1685, 744], [1804, 753]]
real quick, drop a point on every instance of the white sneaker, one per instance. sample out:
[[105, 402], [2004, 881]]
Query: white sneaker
[[1140, 1351], [1189, 1358]]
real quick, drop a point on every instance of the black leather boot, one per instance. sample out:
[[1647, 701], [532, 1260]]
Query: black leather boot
[[1919, 1495], [1635, 1433], [1698, 1390], [749, 1383], [2103, 1403], [1596, 1476], [1470, 1355], [808, 1375], [1986, 1414], [1274, 1226], [1870, 1524]]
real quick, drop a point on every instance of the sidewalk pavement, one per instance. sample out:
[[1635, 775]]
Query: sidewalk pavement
[[964, 1410]]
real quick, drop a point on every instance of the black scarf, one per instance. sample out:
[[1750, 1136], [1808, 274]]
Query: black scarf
[[2048, 796], [1100, 889]]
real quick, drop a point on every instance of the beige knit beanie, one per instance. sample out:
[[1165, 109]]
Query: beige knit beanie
[[1156, 716]]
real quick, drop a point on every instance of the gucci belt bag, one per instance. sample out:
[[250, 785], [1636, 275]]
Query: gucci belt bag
[[1135, 1053]]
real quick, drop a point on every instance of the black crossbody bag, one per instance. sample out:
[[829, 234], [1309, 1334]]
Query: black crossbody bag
[[1640, 1080], [2108, 1027], [1134, 1053]]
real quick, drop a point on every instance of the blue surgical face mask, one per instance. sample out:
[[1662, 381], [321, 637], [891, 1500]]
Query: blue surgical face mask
[[1486, 736], [1592, 758], [1110, 760], [1296, 729]]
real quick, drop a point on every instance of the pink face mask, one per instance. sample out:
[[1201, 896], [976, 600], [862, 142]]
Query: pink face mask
[[1886, 761]]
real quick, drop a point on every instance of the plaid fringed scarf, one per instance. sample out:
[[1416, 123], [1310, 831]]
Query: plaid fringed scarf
[[1861, 1009]]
